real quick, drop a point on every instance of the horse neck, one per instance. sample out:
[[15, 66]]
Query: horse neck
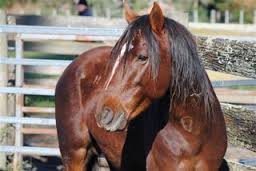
[[193, 115]]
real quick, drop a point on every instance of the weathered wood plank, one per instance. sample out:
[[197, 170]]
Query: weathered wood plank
[[229, 56], [240, 126]]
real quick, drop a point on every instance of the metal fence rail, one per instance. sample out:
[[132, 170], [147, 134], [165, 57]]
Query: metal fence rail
[[28, 120], [34, 62], [30, 150], [60, 30], [27, 91]]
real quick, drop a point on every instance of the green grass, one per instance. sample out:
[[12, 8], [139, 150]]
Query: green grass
[[40, 55], [38, 76], [39, 101]]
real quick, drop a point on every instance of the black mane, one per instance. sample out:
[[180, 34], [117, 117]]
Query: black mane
[[188, 74]]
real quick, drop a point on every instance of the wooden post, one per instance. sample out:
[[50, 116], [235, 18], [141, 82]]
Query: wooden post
[[213, 16], [54, 12], [254, 17], [195, 16], [3, 83], [19, 103], [226, 16], [68, 13], [241, 17], [38, 11], [108, 13]]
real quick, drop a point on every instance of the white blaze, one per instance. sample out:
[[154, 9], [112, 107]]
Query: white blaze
[[118, 60]]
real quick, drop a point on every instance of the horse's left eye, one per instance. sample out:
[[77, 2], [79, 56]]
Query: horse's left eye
[[142, 58]]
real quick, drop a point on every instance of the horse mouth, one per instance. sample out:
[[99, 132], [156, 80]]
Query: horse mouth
[[109, 121]]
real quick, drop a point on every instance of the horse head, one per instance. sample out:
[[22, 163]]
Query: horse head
[[140, 69]]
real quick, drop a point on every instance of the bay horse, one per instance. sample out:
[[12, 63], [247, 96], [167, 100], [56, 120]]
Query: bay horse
[[194, 137], [102, 97]]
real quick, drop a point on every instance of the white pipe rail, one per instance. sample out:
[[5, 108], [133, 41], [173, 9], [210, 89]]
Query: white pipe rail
[[34, 62], [27, 91], [39, 37], [60, 30], [27, 120], [30, 150]]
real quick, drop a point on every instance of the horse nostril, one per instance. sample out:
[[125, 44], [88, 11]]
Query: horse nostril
[[106, 115]]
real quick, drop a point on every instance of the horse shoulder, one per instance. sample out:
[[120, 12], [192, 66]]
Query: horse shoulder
[[85, 65], [82, 72], [92, 61]]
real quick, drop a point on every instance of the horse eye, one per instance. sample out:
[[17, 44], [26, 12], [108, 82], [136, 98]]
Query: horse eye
[[142, 58]]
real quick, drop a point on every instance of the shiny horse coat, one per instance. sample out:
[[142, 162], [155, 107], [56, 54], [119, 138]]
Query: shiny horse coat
[[146, 103], [104, 89]]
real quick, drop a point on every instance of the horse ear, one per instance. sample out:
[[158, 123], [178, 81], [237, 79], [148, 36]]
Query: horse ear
[[156, 19], [130, 15]]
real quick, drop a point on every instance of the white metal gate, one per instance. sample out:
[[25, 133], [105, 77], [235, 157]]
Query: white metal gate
[[35, 33]]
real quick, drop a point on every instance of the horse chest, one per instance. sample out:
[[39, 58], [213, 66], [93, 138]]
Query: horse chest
[[177, 143], [172, 150], [109, 143]]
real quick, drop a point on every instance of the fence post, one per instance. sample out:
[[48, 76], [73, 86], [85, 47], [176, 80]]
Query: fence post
[[108, 13], [3, 83], [226, 16], [54, 12], [195, 15], [254, 17], [19, 103], [68, 13], [38, 11], [213, 16], [241, 17]]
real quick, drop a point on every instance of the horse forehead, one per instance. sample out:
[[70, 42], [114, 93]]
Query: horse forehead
[[138, 38], [116, 64], [123, 49]]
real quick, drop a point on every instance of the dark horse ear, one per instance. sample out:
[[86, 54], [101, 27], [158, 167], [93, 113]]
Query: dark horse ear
[[156, 19], [130, 15]]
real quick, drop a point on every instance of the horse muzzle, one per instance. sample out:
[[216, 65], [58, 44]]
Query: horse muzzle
[[111, 121]]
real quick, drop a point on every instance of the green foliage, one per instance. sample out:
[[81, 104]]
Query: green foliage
[[138, 5], [101, 7], [202, 14], [223, 5], [5, 3]]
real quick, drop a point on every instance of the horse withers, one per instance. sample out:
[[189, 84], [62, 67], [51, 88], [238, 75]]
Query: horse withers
[[105, 88]]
